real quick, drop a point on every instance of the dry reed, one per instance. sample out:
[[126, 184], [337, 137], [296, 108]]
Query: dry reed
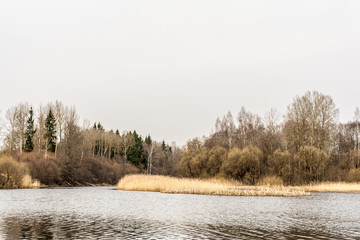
[[164, 184], [28, 182], [338, 187]]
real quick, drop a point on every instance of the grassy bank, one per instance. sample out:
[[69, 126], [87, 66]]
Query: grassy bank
[[165, 184], [336, 187]]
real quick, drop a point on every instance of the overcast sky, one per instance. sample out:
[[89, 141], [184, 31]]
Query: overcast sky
[[170, 68]]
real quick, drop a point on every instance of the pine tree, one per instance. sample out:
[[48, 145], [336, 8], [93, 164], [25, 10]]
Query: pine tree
[[117, 132], [30, 131], [136, 154], [50, 135]]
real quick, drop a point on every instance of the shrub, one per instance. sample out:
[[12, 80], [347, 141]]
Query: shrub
[[271, 181], [280, 165], [243, 165], [354, 175], [47, 171], [11, 173], [311, 163]]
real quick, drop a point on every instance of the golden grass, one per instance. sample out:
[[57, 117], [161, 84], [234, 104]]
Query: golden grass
[[339, 187], [28, 182], [164, 184]]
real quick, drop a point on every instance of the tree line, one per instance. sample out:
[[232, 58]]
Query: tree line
[[59, 151], [307, 144]]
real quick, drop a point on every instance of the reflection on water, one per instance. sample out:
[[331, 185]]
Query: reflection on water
[[48, 227], [101, 213]]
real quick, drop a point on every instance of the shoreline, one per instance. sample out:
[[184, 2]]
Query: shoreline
[[44, 186], [220, 187]]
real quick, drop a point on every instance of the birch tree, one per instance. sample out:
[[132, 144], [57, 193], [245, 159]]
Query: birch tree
[[250, 128], [149, 146]]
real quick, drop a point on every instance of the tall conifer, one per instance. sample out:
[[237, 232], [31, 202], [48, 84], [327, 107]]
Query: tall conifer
[[30, 131], [50, 135], [136, 154]]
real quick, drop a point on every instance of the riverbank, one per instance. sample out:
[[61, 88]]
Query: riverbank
[[164, 184], [76, 184], [335, 187]]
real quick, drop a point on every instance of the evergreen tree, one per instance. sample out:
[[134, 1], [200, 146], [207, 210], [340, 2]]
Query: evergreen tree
[[163, 146], [50, 135], [136, 154], [117, 132], [99, 126], [30, 131], [148, 140]]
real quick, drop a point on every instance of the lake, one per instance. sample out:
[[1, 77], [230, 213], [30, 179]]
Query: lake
[[104, 213]]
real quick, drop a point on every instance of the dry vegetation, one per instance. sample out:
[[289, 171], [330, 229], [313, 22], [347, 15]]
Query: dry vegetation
[[338, 187], [166, 184], [15, 175]]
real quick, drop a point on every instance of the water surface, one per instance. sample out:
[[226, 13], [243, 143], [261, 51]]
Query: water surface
[[103, 213]]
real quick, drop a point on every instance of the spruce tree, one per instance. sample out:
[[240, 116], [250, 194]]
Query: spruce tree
[[30, 131], [50, 135], [163, 146], [148, 140], [136, 154]]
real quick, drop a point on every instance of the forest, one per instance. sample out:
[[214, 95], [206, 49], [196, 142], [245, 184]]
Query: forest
[[307, 144]]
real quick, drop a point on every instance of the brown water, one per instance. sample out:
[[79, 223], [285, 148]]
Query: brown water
[[103, 213]]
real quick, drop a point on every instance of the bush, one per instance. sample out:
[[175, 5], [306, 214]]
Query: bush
[[280, 165], [47, 171], [354, 175], [97, 171], [217, 156], [62, 170], [11, 173], [271, 181], [243, 165], [312, 163]]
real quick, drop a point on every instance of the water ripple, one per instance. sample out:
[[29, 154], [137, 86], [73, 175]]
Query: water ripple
[[97, 213]]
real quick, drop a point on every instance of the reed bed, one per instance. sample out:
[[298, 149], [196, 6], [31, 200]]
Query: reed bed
[[336, 187], [164, 184], [28, 182]]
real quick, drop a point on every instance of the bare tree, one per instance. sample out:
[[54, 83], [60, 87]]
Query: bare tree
[[60, 112], [22, 111], [16, 126], [357, 129], [225, 131], [311, 120], [127, 140], [39, 140], [149, 146], [272, 138], [1, 131], [72, 146], [249, 129], [10, 134]]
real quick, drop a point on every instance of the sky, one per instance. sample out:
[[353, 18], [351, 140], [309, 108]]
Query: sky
[[170, 68]]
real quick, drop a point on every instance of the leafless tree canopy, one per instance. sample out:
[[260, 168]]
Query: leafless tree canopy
[[308, 144]]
